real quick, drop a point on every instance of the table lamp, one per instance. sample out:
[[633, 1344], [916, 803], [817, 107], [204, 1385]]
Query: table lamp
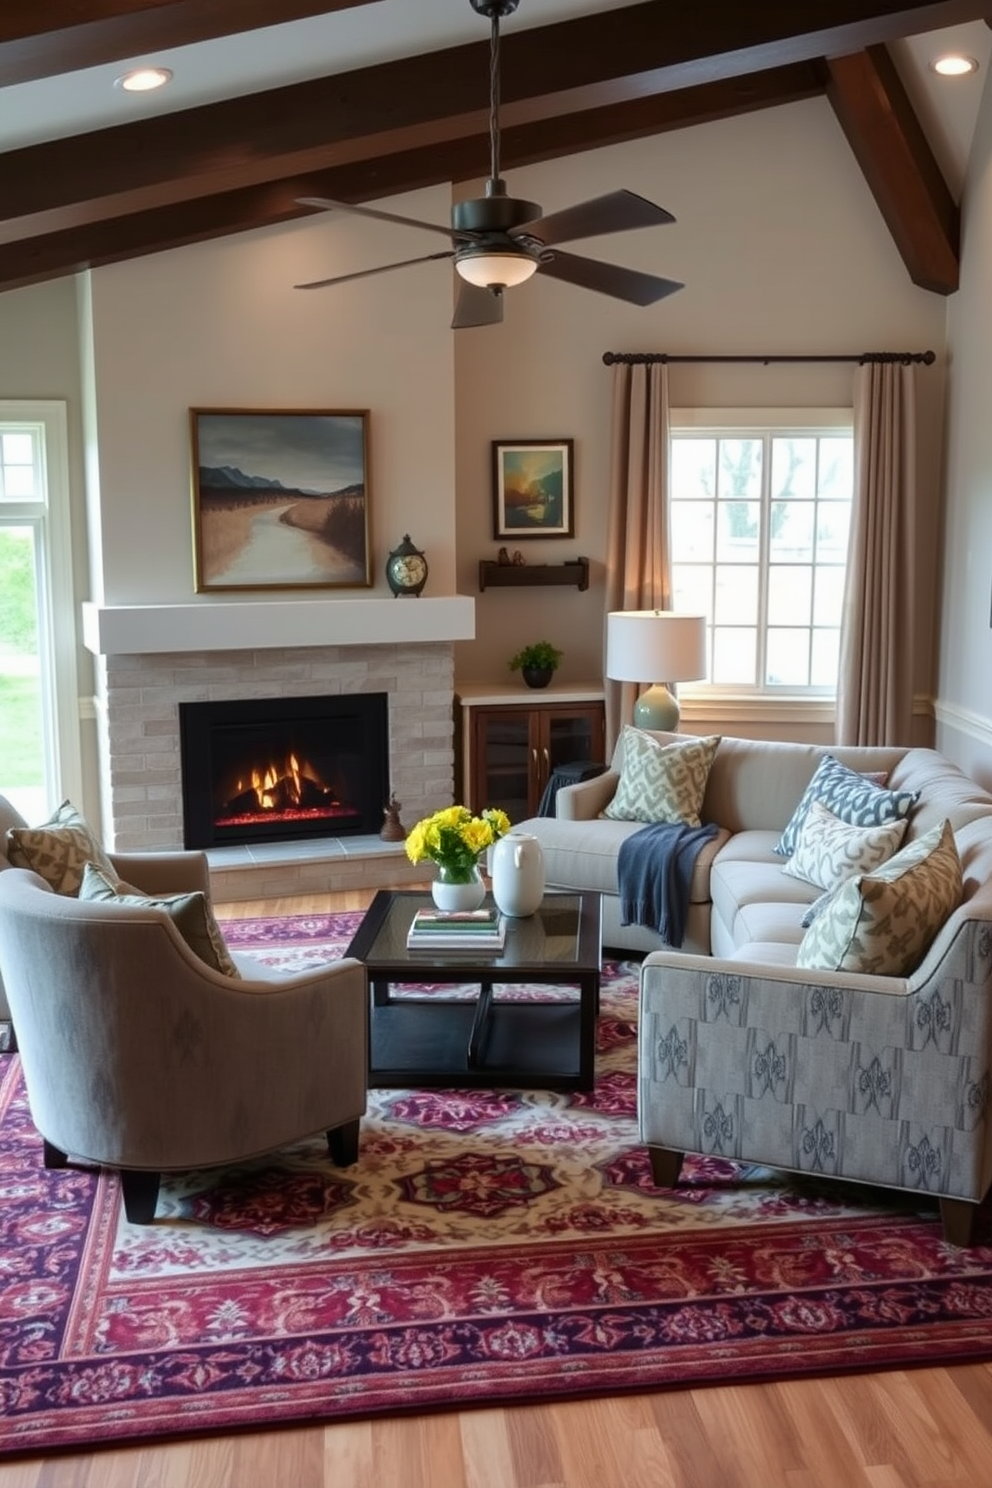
[[645, 645]]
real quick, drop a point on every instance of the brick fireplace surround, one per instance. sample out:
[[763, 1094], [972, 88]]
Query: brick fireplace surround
[[138, 693]]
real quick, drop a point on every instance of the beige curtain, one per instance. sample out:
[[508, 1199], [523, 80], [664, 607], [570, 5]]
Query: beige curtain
[[637, 562], [875, 681]]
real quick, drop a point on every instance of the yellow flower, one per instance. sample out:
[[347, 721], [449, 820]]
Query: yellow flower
[[454, 838]]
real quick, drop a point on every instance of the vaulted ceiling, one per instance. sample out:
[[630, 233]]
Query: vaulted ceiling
[[596, 79]]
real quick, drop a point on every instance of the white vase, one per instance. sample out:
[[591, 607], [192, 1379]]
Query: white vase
[[450, 894], [517, 865]]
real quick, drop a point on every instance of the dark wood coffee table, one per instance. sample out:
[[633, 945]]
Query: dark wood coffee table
[[436, 1041]]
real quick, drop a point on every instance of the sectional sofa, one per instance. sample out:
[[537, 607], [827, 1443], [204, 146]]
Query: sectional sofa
[[746, 1052]]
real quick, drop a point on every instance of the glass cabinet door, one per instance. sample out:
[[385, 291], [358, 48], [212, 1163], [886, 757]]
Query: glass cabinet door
[[572, 737], [503, 762], [515, 751]]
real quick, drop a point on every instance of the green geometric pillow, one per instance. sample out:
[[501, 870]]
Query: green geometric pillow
[[883, 922], [58, 850], [190, 913], [662, 782]]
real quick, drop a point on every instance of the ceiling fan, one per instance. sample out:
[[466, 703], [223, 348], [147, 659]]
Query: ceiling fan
[[499, 241]]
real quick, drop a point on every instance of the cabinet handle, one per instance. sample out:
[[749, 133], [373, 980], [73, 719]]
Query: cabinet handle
[[533, 755], [547, 759]]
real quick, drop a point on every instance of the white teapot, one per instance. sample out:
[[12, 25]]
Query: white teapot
[[517, 867]]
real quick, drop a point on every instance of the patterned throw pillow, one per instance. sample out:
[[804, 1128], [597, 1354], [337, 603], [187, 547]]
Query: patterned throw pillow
[[883, 922], [662, 782], [829, 850], [190, 913], [855, 798], [58, 850]]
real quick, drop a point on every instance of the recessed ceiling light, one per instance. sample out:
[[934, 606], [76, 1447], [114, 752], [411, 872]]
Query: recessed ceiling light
[[144, 79], [954, 64]]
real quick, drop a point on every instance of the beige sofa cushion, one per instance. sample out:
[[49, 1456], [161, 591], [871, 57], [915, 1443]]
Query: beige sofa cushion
[[58, 850], [883, 922], [582, 855]]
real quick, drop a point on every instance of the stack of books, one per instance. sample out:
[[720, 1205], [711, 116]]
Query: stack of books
[[457, 930]]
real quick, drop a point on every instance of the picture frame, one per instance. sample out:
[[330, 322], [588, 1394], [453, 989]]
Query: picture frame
[[280, 498], [533, 488]]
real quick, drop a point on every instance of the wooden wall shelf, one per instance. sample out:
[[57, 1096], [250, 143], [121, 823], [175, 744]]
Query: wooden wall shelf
[[499, 575]]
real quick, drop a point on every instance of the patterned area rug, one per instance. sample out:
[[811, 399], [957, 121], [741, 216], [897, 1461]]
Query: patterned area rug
[[488, 1246]]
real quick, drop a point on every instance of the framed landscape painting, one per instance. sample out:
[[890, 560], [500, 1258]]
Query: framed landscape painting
[[280, 499], [532, 488]]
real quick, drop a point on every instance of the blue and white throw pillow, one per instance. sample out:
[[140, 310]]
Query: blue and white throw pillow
[[853, 798]]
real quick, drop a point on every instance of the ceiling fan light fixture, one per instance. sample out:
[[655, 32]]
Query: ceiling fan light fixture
[[489, 270]]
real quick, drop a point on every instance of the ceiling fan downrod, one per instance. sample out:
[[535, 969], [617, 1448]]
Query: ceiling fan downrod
[[496, 10]]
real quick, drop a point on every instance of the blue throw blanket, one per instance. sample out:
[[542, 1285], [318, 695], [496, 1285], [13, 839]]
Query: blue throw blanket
[[654, 871]]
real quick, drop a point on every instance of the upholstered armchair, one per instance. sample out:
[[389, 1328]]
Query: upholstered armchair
[[155, 873], [137, 1055]]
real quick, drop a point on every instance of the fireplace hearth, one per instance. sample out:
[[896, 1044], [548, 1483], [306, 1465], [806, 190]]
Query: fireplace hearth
[[281, 769]]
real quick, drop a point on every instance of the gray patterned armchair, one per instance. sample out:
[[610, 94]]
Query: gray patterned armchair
[[139, 1056]]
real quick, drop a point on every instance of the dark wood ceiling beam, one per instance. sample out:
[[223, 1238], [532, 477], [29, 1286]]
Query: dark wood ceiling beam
[[56, 36], [219, 168], [580, 65], [50, 254], [884, 133]]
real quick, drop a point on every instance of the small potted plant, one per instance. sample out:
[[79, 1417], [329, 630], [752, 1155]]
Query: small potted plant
[[536, 663]]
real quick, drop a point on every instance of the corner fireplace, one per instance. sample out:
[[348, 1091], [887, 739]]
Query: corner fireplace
[[280, 769]]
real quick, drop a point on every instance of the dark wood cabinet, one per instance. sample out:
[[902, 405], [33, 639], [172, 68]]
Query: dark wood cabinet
[[510, 745]]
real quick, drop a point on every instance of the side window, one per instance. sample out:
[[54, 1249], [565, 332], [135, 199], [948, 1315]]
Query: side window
[[39, 746], [759, 522]]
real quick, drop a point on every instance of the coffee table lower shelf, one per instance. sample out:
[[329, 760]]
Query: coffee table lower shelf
[[484, 1040], [419, 1043]]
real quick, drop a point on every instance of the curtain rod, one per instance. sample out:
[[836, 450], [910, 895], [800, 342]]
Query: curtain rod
[[639, 358]]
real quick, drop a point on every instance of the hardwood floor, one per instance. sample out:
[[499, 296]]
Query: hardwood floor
[[925, 1428]]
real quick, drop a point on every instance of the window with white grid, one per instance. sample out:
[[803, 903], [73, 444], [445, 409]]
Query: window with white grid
[[39, 716], [760, 509]]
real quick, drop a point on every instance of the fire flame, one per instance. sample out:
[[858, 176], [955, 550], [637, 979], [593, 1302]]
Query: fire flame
[[287, 777]]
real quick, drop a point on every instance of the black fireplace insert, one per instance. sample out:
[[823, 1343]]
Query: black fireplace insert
[[280, 769]]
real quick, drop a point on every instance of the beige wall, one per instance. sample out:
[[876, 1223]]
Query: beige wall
[[781, 248], [220, 325], [964, 706]]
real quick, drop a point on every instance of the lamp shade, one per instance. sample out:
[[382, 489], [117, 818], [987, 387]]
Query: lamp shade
[[655, 646]]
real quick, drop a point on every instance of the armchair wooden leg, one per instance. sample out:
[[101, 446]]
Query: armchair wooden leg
[[342, 1143], [958, 1219], [665, 1166], [54, 1156], [140, 1194]]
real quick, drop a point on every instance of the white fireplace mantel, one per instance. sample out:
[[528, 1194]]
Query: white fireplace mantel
[[119, 630]]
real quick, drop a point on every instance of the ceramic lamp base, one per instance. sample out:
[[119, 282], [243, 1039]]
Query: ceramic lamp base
[[657, 709]]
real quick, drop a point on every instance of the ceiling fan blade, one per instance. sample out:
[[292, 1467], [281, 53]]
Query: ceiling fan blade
[[324, 204], [476, 307], [367, 273], [618, 211], [609, 279]]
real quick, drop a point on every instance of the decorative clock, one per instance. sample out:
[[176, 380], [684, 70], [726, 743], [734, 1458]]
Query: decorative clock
[[406, 569]]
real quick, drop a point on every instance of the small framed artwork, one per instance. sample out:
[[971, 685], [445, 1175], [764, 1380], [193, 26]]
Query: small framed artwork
[[532, 488], [280, 499]]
